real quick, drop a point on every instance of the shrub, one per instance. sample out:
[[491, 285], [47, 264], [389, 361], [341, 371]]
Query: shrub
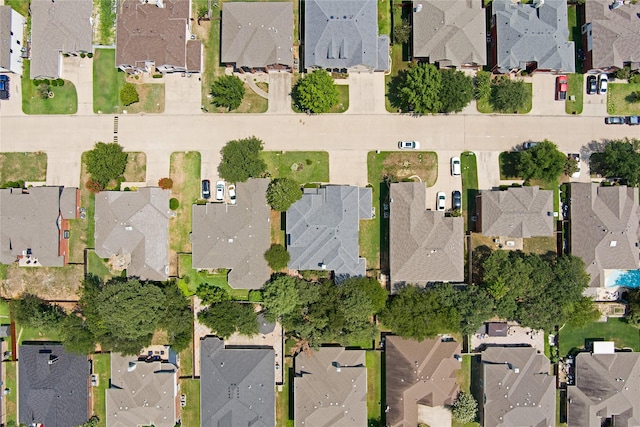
[[255, 296], [464, 408], [43, 91], [635, 79], [309, 162], [13, 184], [89, 55], [277, 257], [126, 189], [157, 76], [173, 204], [623, 73], [94, 186], [165, 183], [282, 193], [129, 94], [82, 55], [60, 82], [54, 82]]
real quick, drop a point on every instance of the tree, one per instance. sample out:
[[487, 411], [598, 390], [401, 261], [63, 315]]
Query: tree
[[371, 287], [633, 301], [165, 183], [227, 92], [509, 96], [105, 162], [43, 90], [176, 318], [418, 89], [623, 73], [316, 92], [241, 160], [129, 94], [620, 159], [76, 336], [456, 92], [483, 85], [228, 317], [464, 408], [280, 297], [32, 311], [282, 193], [277, 257], [634, 96], [402, 32], [211, 294], [543, 161], [94, 186], [571, 166]]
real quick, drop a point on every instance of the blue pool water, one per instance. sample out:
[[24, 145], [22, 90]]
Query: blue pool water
[[626, 278]]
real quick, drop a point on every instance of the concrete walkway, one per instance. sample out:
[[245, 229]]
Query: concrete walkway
[[251, 81]]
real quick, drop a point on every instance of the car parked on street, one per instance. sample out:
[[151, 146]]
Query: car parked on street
[[614, 120], [529, 144], [603, 83], [633, 120], [232, 194], [220, 191], [561, 88], [457, 200], [442, 201], [206, 189], [408, 145], [455, 166], [592, 85], [4, 86]]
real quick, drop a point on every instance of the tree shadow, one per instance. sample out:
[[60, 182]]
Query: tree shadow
[[508, 164], [394, 89]]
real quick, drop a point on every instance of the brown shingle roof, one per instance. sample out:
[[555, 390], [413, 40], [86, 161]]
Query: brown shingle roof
[[194, 56]]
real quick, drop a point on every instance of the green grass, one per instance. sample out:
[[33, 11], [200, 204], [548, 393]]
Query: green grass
[[211, 47], [572, 17], [4, 306], [196, 278], [373, 362], [279, 165], [575, 89], [343, 99], [25, 334], [191, 412], [186, 361], [106, 22], [65, 100], [384, 17], [23, 166], [284, 398], [463, 376], [399, 56], [615, 329], [136, 168], [82, 230], [11, 399], [20, 6], [185, 172], [619, 99], [251, 103], [469, 165], [102, 367], [484, 105], [508, 165], [97, 266]]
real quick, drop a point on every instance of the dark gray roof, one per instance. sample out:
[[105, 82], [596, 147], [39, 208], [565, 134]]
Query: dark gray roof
[[526, 33], [11, 37], [135, 223], [604, 228], [58, 26], [53, 386], [237, 385], [344, 34], [322, 228], [330, 388], [235, 237], [257, 34], [425, 246], [615, 33], [418, 373], [517, 212], [606, 385], [453, 30], [526, 398]]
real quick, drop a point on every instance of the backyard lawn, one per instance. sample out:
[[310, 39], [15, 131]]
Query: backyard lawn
[[186, 361], [302, 166], [102, 367], [82, 230], [209, 33], [191, 278], [399, 51], [375, 381], [106, 22], [185, 173], [96, 266], [463, 376], [469, 173], [11, 399], [620, 100], [615, 329], [575, 89], [23, 166], [63, 101], [191, 412]]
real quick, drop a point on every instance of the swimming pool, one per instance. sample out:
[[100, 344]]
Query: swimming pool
[[625, 278]]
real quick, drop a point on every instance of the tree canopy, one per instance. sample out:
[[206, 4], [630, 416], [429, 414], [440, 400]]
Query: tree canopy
[[227, 92], [543, 161], [316, 92], [277, 257], [228, 317], [509, 96], [282, 193], [402, 32], [418, 89], [620, 159], [464, 408], [106, 162], [456, 92], [32, 311], [241, 160]]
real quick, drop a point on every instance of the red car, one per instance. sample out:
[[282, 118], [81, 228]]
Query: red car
[[561, 88]]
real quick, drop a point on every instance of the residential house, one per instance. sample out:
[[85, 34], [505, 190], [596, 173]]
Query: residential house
[[143, 390], [155, 36], [518, 212], [34, 225], [257, 35], [610, 35], [518, 388], [450, 33], [419, 374], [132, 228], [58, 27], [11, 39], [343, 35], [322, 229], [235, 236], [604, 229], [531, 37], [237, 385], [605, 391], [53, 386], [425, 246], [330, 388]]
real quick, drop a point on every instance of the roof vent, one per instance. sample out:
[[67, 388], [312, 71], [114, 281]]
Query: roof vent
[[613, 243], [132, 366]]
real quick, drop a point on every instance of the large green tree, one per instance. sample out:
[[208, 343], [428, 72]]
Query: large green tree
[[282, 193], [32, 311], [277, 257], [482, 84], [418, 89], [228, 317], [241, 160], [106, 162], [456, 92], [543, 161], [227, 92], [620, 159], [316, 92], [464, 408], [510, 96], [280, 297]]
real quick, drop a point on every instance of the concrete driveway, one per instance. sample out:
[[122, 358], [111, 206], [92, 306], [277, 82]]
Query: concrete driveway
[[80, 72], [13, 105], [445, 181], [593, 105], [279, 93], [183, 95], [544, 96], [366, 93], [488, 169], [437, 416]]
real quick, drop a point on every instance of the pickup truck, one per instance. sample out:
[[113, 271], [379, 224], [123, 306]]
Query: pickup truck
[[561, 88], [633, 120]]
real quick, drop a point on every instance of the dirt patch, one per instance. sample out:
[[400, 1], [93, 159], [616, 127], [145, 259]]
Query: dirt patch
[[404, 165], [49, 283], [276, 223], [136, 169]]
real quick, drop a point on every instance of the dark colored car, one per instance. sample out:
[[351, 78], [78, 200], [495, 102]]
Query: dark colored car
[[592, 85], [614, 120], [457, 200], [633, 120], [206, 189], [4, 86]]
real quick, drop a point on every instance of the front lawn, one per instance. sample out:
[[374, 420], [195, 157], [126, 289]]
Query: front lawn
[[485, 106], [575, 90], [23, 167], [102, 367], [620, 101], [469, 165], [375, 377], [302, 166], [615, 329], [508, 165], [64, 99], [251, 103], [185, 173], [191, 411], [136, 168], [343, 99], [190, 279]]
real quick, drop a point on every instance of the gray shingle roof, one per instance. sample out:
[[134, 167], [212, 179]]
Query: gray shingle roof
[[135, 223], [235, 237], [615, 33], [526, 33], [526, 398], [58, 27], [453, 30], [5, 37], [256, 35], [141, 393], [418, 373], [606, 385], [517, 212], [11, 39], [322, 228], [425, 246], [601, 216], [330, 388], [53, 386], [344, 34], [237, 385]]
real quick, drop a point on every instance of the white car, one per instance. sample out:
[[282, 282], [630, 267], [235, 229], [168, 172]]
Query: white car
[[408, 145], [232, 194], [220, 191], [455, 166], [442, 201], [603, 82]]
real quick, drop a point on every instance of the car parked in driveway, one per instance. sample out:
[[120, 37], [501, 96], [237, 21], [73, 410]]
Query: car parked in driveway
[[455, 166], [614, 120], [457, 200], [603, 83], [592, 85], [4, 86], [220, 191], [561, 88], [442, 201], [408, 145], [633, 120], [206, 189], [232, 194]]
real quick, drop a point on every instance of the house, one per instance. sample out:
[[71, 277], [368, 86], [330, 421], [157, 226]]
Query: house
[[34, 225], [11, 39], [518, 389], [343, 35], [518, 212], [58, 27], [237, 385], [235, 236], [132, 228], [450, 33], [425, 246], [322, 229], [143, 390], [606, 390], [419, 373], [610, 35], [257, 35], [604, 229], [155, 36], [531, 37], [53, 386], [330, 388]]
